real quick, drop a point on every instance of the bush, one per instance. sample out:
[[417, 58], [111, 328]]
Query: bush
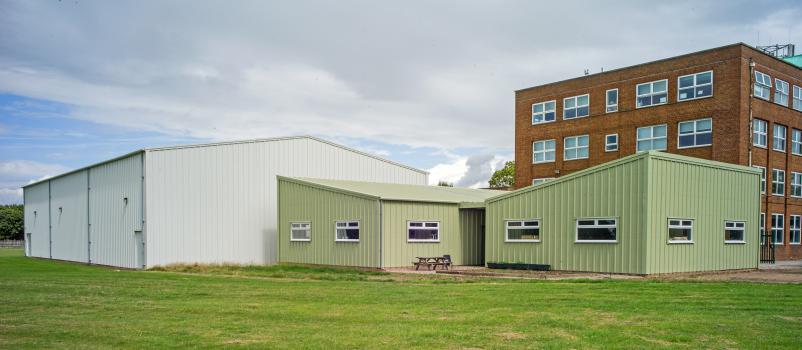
[[11, 222]]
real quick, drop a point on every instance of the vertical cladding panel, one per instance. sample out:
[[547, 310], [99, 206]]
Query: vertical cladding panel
[[217, 204], [68, 206], [113, 220], [471, 226], [709, 196], [616, 191], [302, 203], [37, 219]]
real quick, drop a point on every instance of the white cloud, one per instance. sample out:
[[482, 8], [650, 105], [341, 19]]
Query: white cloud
[[10, 196], [26, 170], [473, 171]]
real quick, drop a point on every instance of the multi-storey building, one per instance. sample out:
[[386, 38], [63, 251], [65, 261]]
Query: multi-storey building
[[734, 104]]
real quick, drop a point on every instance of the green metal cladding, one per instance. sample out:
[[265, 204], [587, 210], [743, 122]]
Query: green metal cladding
[[640, 191]]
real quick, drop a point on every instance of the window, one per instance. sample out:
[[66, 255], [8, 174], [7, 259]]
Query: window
[[576, 107], [541, 180], [651, 138], [346, 231], [778, 182], [695, 86], [576, 147], [695, 133], [596, 231], [612, 100], [543, 151], [795, 229], [300, 231], [797, 99], [544, 112], [780, 92], [796, 142], [762, 228], [734, 231], [680, 231], [778, 138], [653, 93], [777, 228], [611, 143], [760, 130], [796, 184], [523, 231], [762, 85], [423, 231], [762, 178]]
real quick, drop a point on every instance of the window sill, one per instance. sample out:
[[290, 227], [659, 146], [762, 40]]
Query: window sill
[[521, 241], [699, 146], [652, 105], [693, 98], [346, 240], [734, 242], [778, 195], [759, 146], [777, 150], [679, 242], [611, 150], [422, 241], [568, 160], [584, 116], [300, 240], [546, 162], [546, 122], [602, 242]]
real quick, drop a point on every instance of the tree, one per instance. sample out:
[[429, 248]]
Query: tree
[[445, 184], [11, 222], [504, 177]]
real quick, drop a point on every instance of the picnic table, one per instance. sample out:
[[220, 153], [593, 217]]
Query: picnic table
[[432, 262]]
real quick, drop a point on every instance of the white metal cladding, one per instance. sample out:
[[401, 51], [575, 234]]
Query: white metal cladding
[[37, 220], [217, 203], [113, 219], [68, 214]]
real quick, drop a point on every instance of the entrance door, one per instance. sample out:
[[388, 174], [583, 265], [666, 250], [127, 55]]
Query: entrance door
[[140, 249]]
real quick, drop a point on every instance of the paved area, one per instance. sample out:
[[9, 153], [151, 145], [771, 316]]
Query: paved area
[[782, 265]]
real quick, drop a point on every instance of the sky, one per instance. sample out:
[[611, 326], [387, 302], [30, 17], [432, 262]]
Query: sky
[[425, 83]]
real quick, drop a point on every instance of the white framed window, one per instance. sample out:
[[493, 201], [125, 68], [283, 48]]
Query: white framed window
[[612, 100], [544, 112], [522, 230], [796, 185], [680, 230], [651, 138], [781, 92], [695, 133], [541, 180], [778, 138], [611, 143], [762, 229], [796, 142], [777, 228], [778, 182], [575, 147], [794, 229], [423, 231], [734, 231], [346, 231], [543, 151], [576, 107], [796, 102], [760, 129], [762, 178], [693, 86], [762, 85], [652, 93], [300, 231], [596, 230]]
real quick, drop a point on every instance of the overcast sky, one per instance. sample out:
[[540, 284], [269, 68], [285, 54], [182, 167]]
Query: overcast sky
[[426, 83]]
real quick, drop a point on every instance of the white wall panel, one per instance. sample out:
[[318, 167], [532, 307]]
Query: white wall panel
[[37, 220], [68, 213]]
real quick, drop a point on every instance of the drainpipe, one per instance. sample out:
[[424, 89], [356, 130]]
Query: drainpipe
[[751, 118]]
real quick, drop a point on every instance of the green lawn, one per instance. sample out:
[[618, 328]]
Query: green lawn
[[61, 305]]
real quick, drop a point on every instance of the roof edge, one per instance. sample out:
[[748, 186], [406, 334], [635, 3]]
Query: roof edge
[[327, 188], [142, 150]]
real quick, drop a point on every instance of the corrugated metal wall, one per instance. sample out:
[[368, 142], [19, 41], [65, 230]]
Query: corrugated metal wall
[[301, 203], [615, 192], [37, 219], [710, 196], [68, 208], [215, 204], [472, 226]]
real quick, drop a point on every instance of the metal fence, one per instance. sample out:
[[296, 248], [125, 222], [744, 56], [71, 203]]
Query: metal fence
[[12, 244]]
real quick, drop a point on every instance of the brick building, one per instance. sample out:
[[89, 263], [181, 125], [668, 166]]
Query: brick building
[[733, 104]]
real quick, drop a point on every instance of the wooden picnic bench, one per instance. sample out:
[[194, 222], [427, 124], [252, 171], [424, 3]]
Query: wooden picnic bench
[[432, 262]]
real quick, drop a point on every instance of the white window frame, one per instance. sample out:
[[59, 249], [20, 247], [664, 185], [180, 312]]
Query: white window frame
[[541, 180], [780, 228], [651, 93], [762, 229], [523, 226], [781, 137], [732, 225], [577, 147], [545, 151], [694, 86], [681, 225], [796, 99], [608, 107], [781, 92], [762, 84], [795, 182], [796, 142], [576, 106], [695, 133], [607, 143], [423, 227], [347, 222], [553, 110], [760, 134], [308, 228], [651, 138], [795, 231], [762, 178], [775, 181], [595, 225]]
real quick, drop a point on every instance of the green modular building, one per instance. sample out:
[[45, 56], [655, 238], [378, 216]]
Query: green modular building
[[648, 213], [379, 225]]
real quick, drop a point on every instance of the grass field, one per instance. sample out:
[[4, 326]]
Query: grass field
[[50, 304]]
